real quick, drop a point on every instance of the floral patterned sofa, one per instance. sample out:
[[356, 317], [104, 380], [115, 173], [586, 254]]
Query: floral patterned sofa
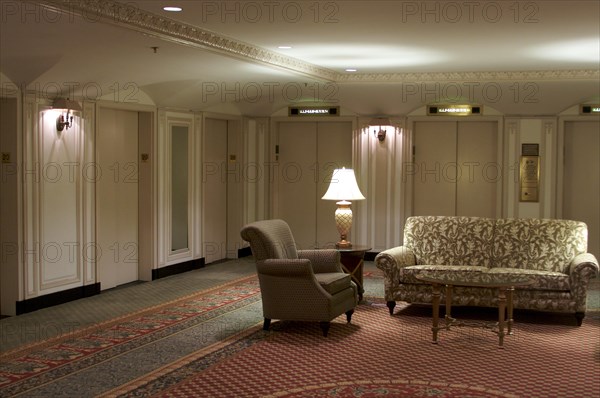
[[551, 252]]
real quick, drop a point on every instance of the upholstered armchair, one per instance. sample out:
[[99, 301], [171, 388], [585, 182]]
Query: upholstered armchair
[[298, 285]]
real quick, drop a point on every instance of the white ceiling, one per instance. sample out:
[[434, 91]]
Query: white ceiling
[[519, 57]]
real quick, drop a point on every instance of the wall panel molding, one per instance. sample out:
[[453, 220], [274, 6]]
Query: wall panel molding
[[58, 216]]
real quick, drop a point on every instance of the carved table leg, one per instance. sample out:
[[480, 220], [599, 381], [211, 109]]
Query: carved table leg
[[501, 313], [509, 308], [436, 311], [448, 316]]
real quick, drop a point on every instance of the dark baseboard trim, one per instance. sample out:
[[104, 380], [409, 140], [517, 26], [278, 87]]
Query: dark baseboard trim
[[244, 252], [52, 299], [178, 268]]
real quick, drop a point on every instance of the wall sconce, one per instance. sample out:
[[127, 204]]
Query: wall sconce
[[379, 125], [65, 119]]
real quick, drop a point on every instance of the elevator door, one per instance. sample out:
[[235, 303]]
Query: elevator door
[[581, 187], [308, 154], [117, 197], [456, 169], [215, 190]]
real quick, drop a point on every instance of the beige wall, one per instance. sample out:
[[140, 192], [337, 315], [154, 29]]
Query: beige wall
[[379, 168]]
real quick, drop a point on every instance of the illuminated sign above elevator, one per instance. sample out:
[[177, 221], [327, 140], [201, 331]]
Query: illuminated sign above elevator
[[589, 109], [454, 110], [314, 111]]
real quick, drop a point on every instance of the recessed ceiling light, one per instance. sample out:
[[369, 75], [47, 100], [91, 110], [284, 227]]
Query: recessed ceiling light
[[351, 70], [284, 47], [172, 9]]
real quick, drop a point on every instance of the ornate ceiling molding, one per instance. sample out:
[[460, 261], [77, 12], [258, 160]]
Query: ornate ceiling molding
[[128, 16], [539, 75]]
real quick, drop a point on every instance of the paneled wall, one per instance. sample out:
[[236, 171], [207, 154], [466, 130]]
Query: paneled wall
[[49, 187], [58, 184], [543, 132]]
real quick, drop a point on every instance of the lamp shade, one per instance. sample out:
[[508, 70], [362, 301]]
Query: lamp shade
[[343, 186]]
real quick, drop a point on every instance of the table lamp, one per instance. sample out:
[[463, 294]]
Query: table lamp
[[343, 188]]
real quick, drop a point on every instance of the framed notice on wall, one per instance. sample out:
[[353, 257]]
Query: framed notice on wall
[[529, 173]]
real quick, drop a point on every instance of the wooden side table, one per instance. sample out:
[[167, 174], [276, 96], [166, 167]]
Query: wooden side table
[[352, 259]]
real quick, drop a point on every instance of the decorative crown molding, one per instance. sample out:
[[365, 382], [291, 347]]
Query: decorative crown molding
[[470, 76], [128, 16]]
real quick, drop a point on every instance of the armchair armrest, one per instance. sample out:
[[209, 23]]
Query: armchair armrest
[[292, 268], [583, 268], [281, 279], [323, 260]]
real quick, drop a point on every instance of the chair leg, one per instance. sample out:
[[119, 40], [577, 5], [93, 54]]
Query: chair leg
[[266, 324], [324, 327], [349, 315], [579, 317], [391, 305]]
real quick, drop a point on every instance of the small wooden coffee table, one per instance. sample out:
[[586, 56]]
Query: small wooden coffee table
[[505, 284]]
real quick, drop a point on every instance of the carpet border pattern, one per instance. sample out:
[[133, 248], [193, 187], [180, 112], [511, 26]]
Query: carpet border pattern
[[33, 365]]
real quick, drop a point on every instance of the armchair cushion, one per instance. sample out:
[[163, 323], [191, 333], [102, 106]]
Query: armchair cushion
[[334, 282]]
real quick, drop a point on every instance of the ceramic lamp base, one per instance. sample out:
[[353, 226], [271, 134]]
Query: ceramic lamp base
[[343, 222]]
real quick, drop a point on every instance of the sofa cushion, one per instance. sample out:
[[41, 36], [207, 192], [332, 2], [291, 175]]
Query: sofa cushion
[[438, 240], [538, 244], [542, 280], [334, 282], [408, 274]]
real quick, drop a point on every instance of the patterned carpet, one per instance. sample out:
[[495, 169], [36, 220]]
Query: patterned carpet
[[89, 361], [377, 355], [210, 344]]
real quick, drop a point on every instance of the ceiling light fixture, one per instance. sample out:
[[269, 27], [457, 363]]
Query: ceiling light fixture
[[172, 9], [351, 70], [285, 47]]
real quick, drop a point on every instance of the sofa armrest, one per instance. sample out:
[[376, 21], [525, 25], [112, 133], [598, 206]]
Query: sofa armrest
[[392, 260], [323, 260], [583, 268]]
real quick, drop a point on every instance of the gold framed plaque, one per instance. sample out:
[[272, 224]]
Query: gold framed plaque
[[529, 173]]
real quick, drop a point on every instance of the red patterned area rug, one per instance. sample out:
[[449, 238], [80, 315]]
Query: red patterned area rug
[[381, 355], [28, 368]]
